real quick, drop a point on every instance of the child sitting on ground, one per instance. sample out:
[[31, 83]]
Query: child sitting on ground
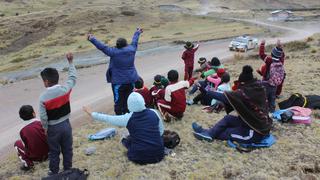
[[222, 85], [144, 91], [33, 145], [145, 126], [215, 66], [210, 84], [206, 81], [174, 102], [157, 90], [204, 65]]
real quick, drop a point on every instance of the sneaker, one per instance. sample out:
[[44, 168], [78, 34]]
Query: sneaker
[[196, 127], [279, 96], [50, 173], [25, 168], [203, 136], [189, 102]]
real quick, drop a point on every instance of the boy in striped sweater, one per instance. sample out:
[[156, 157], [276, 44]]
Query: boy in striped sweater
[[54, 114]]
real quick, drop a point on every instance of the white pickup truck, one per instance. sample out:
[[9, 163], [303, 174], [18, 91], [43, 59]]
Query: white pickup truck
[[243, 43]]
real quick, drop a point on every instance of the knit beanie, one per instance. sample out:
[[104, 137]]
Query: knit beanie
[[136, 102], [246, 74], [276, 53], [164, 81], [215, 62]]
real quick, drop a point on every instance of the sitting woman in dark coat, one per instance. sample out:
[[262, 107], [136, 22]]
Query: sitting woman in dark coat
[[251, 124]]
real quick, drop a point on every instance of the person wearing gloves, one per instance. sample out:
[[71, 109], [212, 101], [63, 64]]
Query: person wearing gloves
[[145, 126], [121, 73]]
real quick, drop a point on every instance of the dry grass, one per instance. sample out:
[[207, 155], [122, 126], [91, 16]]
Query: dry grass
[[295, 155], [44, 27]]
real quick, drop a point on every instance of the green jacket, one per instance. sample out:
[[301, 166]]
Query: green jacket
[[211, 71]]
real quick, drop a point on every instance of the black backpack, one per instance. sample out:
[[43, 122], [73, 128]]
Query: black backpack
[[170, 139], [71, 174], [294, 100]]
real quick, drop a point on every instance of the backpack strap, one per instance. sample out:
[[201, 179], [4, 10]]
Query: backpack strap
[[304, 99]]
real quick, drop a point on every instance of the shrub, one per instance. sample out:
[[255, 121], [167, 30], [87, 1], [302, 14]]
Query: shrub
[[18, 59], [309, 39], [313, 51], [296, 46]]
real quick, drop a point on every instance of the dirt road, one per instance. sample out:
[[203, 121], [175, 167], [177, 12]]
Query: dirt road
[[91, 88]]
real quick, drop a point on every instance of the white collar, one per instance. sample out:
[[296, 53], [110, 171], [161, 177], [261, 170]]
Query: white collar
[[30, 121], [52, 87]]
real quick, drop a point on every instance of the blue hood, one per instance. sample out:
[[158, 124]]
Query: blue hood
[[136, 102]]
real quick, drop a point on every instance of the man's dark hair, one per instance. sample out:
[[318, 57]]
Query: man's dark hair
[[173, 76], [26, 112], [50, 74], [121, 42]]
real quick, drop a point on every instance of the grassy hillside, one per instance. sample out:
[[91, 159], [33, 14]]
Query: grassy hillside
[[295, 155], [34, 33]]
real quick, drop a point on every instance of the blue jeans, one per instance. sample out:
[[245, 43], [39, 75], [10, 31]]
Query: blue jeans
[[60, 140], [120, 96], [195, 87]]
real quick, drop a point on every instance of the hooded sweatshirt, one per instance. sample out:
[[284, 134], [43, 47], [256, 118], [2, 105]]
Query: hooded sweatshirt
[[145, 127]]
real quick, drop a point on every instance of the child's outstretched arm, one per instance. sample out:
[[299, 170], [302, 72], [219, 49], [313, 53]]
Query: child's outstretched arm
[[99, 45], [116, 120], [197, 47], [72, 73]]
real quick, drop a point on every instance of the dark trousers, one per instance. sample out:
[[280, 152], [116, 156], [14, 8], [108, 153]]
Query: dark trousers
[[195, 87], [24, 155], [233, 128], [271, 96], [120, 96], [188, 72], [60, 140], [204, 100]]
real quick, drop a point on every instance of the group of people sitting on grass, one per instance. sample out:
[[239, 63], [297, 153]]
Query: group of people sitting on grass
[[142, 110]]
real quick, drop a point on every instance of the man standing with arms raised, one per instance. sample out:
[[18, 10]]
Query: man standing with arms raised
[[121, 72]]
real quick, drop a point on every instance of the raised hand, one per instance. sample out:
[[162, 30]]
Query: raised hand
[[140, 30], [87, 110], [69, 56], [89, 36]]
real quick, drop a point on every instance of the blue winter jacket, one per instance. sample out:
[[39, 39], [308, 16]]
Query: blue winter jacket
[[121, 68]]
